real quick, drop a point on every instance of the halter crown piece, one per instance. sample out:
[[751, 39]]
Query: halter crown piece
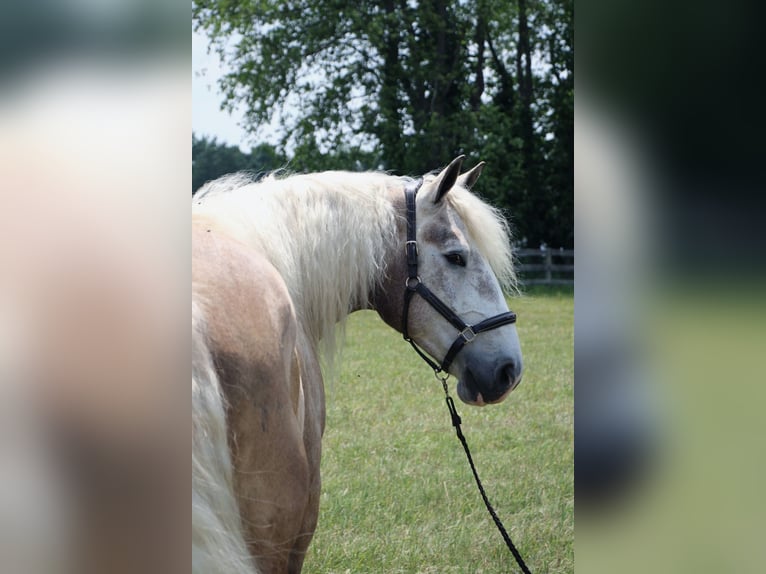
[[466, 332]]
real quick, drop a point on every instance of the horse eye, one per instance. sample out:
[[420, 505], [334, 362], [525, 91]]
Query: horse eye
[[455, 259]]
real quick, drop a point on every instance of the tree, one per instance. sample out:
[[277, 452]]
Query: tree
[[558, 89], [211, 160], [406, 86]]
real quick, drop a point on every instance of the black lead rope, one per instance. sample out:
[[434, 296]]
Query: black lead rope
[[456, 421], [467, 333]]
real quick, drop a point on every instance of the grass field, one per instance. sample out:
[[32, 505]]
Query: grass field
[[397, 493]]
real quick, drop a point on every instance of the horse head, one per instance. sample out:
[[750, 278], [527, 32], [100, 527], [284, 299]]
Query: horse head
[[442, 289]]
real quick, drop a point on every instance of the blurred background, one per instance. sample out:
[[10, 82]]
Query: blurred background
[[95, 109], [669, 288]]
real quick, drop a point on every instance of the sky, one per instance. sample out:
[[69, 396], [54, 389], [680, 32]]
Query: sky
[[207, 117]]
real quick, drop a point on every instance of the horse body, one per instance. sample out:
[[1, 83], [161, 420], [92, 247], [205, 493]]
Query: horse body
[[276, 266], [273, 431]]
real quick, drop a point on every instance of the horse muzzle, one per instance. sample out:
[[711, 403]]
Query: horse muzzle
[[482, 384]]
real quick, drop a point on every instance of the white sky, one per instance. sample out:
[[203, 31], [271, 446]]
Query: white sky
[[207, 117]]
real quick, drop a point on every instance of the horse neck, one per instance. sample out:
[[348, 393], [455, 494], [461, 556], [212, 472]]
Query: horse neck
[[339, 241]]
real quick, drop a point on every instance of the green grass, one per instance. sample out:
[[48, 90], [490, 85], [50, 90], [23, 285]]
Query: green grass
[[397, 493]]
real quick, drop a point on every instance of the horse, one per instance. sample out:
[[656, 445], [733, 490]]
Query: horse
[[277, 267]]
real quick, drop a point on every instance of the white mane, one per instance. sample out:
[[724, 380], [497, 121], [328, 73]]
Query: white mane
[[328, 235]]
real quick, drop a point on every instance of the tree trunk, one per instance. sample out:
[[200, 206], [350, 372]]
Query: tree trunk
[[524, 74], [480, 40], [390, 130]]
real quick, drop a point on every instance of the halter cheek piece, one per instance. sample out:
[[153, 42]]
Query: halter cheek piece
[[467, 333]]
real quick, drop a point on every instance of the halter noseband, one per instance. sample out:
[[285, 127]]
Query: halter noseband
[[467, 333]]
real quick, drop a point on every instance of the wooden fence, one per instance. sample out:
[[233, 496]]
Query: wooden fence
[[545, 266]]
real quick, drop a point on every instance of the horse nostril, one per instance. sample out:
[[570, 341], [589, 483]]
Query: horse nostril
[[509, 375]]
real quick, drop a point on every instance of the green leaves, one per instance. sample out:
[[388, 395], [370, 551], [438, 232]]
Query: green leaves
[[406, 86], [211, 160]]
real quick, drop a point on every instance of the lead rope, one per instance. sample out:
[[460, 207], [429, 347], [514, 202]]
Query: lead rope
[[456, 422]]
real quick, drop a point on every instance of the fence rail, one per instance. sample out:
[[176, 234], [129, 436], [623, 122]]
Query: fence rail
[[545, 266]]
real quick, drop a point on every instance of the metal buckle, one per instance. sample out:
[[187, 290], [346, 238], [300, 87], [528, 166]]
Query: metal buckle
[[412, 282], [468, 334], [407, 245]]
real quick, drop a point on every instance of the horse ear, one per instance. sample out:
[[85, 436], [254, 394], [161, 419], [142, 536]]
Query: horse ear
[[447, 178], [469, 178]]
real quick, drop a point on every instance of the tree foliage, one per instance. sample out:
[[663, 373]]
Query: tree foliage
[[406, 85], [211, 160]]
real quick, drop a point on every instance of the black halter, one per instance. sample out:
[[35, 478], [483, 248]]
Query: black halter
[[467, 333]]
